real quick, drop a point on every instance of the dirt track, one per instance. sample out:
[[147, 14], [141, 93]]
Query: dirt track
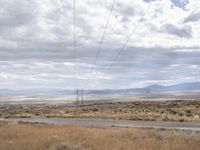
[[187, 126]]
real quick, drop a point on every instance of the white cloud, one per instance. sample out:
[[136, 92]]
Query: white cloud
[[36, 42]]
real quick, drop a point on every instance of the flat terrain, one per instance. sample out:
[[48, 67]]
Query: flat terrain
[[182, 126], [59, 137], [87, 133], [138, 110]]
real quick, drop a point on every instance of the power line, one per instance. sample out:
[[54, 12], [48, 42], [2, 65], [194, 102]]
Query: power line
[[75, 69], [101, 42], [115, 57], [75, 59], [134, 30]]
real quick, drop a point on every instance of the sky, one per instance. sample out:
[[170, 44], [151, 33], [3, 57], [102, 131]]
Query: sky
[[146, 42]]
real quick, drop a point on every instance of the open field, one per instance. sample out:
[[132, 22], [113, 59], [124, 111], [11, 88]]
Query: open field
[[49, 137], [137, 110]]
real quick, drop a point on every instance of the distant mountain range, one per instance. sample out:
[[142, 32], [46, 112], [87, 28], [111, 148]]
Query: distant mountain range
[[153, 89], [182, 87]]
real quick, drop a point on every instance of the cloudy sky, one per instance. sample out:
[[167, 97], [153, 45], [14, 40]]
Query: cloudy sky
[[36, 43]]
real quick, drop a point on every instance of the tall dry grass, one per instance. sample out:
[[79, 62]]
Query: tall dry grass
[[43, 137]]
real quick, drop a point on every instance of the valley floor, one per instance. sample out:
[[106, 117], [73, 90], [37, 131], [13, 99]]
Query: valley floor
[[137, 110]]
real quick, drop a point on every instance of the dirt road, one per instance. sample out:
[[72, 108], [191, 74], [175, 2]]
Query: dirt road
[[187, 126]]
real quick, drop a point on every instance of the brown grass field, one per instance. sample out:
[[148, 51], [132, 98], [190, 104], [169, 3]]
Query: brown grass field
[[49, 137], [138, 110]]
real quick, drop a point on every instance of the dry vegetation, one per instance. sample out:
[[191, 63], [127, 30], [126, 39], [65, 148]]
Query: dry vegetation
[[148, 110], [49, 137]]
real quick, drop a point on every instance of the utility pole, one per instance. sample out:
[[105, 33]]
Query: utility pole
[[82, 97], [77, 98], [77, 102]]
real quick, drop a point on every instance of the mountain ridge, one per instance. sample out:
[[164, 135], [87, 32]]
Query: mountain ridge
[[155, 88]]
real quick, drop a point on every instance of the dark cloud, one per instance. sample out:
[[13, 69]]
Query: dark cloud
[[184, 32], [180, 3], [125, 12], [150, 0], [193, 17], [147, 59], [16, 13], [140, 64]]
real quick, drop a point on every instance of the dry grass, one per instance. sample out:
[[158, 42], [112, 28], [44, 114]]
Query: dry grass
[[43, 137], [141, 110]]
